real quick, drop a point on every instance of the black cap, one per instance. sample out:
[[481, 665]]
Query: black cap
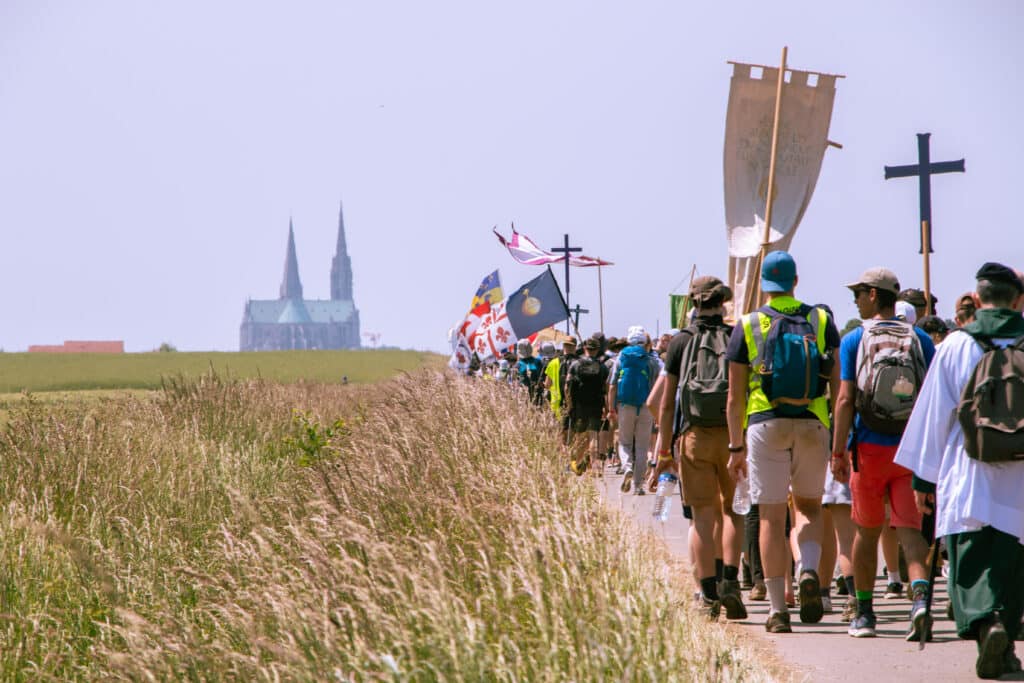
[[997, 272]]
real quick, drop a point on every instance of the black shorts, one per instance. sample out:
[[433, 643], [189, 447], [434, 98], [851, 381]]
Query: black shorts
[[586, 424]]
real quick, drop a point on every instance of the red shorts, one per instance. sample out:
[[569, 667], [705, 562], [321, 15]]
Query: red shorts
[[877, 476]]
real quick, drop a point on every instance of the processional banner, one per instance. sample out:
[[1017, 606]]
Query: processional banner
[[803, 137]]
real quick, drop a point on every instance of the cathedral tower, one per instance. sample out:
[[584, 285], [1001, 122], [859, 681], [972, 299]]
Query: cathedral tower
[[341, 265]]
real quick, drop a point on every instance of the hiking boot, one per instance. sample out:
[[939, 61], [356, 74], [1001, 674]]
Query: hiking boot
[[893, 591], [863, 626], [759, 591], [841, 588], [920, 620], [811, 609], [778, 622], [849, 610], [709, 608], [1011, 664], [732, 600], [993, 644], [627, 481]]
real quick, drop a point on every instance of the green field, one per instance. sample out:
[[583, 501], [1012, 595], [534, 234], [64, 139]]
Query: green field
[[38, 372]]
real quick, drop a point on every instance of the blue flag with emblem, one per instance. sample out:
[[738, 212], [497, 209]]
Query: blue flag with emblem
[[536, 305]]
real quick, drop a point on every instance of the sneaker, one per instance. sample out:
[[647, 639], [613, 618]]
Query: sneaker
[[863, 626], [993, 644], [1011, 664], [620, 469], [746, 580], [826, 604], [732, 600], [759, 591], [811, 609], [709, 608], [639, 491], [893, 591], [849, 610], [841, 586], [627, 482], [920, 620], [778, 622]]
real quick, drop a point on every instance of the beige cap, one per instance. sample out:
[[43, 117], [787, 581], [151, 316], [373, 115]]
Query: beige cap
[[879, 278]]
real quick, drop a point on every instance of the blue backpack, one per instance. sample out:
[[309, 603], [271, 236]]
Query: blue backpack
[[634, 377], [793, 370]]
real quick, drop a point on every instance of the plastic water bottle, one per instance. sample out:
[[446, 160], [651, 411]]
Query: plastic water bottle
[[663, 501], [741, 499]]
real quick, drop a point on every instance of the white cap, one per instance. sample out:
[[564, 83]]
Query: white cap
[[905, 311], [636, 335]]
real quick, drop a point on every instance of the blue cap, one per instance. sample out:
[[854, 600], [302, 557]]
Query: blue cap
[[778, 272]]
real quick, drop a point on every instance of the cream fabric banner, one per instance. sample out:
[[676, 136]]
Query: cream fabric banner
[[803, 137]]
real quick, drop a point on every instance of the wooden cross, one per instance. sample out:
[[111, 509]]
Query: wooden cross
[[576, 310], [566, 249], [924, 169]]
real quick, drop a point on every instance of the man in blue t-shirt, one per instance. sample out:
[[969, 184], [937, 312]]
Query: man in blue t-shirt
[[869, 390]]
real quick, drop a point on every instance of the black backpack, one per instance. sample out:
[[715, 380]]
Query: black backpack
[[704, 376], [586, 382], [991, 410]]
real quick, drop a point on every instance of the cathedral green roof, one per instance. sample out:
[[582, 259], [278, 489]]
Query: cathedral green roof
[[317, 311]]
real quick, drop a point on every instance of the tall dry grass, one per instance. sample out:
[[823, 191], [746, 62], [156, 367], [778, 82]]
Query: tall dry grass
[[421, 529]]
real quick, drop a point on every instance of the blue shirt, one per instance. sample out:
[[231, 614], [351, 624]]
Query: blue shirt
[[848, 372]]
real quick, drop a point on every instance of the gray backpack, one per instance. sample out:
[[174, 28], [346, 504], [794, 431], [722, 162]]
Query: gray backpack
[[890, 371], [704, 376], [991, 410]]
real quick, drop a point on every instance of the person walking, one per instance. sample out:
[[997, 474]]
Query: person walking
[[777, 390], [633, 374], [950, 445]]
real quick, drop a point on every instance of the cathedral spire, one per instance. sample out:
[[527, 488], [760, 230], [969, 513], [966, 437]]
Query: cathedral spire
[[341, 265], [291, 286]]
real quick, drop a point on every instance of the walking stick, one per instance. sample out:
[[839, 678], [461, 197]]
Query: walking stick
[[933, 564]]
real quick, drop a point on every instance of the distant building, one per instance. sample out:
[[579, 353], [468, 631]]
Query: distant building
[[291, 322], [80, 347]]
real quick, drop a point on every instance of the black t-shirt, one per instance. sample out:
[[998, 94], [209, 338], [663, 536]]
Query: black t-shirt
[[737, 353]]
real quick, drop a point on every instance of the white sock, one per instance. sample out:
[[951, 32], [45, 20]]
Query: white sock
[[810, 555], [894, 577], [776, 594]]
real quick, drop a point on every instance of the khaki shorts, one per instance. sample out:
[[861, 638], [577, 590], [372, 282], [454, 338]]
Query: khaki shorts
[[785, 453], [703, 465]]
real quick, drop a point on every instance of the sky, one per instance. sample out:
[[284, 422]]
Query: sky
[[152, 154]]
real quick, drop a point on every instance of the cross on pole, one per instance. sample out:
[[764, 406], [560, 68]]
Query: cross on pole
[[924, 169], [576, 310], [566, 250]]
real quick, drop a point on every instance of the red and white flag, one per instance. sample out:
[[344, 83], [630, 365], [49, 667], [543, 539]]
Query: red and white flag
[[464, 335], [525, 251], [494, 334]]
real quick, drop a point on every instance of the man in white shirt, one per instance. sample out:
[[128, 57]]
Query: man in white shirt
[[979, 505]]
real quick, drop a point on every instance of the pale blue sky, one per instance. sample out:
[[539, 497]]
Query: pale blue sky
[[151, 154]]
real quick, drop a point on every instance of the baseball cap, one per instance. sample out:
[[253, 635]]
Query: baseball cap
[[525, 348], [547, 349], [880, 278], [916, 297], [997, 272], [905, 311], [592, 344], [778, 272], [709, 288], [636, 335]]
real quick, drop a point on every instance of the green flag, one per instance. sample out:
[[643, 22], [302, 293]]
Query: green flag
[[679, 305]]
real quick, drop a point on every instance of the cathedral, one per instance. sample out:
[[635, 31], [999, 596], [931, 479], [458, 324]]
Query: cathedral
[[291, 322]]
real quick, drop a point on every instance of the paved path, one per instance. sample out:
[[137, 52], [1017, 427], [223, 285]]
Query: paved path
[[824, 651]]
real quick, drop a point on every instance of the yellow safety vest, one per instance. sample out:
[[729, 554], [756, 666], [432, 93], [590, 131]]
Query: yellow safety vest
[[757, 401], [551, 371]]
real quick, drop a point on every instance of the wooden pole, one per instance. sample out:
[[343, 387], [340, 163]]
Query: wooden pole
[[926, 247], [600, 299], [769, 197], [689, 288]]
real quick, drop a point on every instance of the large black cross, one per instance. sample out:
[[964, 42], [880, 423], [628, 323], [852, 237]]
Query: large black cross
[[566, 249], [924, 169], [576, 310]]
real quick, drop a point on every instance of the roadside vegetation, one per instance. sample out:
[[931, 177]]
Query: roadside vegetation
[[416, 529]]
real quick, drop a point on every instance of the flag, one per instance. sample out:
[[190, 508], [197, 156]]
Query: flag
[[463, 336], [803, 138], [531, 308], [525, 251], [489, 290], [679, 307]]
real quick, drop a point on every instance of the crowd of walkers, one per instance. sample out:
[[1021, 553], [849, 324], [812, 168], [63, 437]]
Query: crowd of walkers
[[903, 431]]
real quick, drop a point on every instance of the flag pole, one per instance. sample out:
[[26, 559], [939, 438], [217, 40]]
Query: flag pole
[[600, 297], [689, 288], [769, 196], [926, 247]]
